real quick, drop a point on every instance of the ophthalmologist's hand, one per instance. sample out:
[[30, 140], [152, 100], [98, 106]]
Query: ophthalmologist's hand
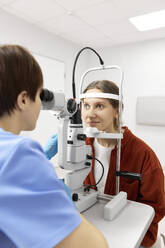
[[51, 147]]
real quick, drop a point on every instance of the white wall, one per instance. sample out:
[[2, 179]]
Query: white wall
[[144, 67], [17, 31]]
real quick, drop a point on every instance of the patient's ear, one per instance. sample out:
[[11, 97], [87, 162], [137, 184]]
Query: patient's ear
[[22, 101], [116, 112]]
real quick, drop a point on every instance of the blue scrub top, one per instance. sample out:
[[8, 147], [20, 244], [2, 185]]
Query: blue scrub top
[[35, 211]]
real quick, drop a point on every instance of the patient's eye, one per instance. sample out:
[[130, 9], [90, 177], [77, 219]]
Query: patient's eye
[[86, 106], [100, 106]]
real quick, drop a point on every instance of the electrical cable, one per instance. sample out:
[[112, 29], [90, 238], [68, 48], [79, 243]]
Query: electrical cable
[[94, 185], [74, 67]]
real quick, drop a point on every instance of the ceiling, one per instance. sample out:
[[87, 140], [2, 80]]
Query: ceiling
[[96, 23]]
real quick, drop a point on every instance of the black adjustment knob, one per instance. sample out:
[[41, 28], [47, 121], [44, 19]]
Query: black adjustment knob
[[75, 197], [87, 163], [70, 142], [81, 136]]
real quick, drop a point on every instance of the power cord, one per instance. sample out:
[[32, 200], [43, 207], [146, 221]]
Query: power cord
[[87, 188]]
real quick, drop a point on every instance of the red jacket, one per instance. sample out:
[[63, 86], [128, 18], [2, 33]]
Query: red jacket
[[137, 157]]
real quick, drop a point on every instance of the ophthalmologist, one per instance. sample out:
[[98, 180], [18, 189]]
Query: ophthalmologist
[[35, 210]]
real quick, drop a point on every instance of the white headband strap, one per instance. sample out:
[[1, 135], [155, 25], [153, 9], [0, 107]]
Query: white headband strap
[[99, 95]]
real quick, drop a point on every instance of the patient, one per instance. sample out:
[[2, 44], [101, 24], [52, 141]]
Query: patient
[[136, 156]]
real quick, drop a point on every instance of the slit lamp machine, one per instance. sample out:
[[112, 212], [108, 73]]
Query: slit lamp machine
[[73, 154]]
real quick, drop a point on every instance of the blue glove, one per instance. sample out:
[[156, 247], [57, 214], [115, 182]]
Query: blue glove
[[51, 147], [67, 189]]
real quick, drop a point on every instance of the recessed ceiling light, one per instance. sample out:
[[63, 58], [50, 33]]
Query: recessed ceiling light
[[149, 21]]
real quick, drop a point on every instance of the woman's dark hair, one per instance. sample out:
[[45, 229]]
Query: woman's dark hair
[[19, 71], [106, 86]]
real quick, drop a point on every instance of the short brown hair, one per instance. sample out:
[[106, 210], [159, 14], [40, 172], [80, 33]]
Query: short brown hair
[[19, 71]]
